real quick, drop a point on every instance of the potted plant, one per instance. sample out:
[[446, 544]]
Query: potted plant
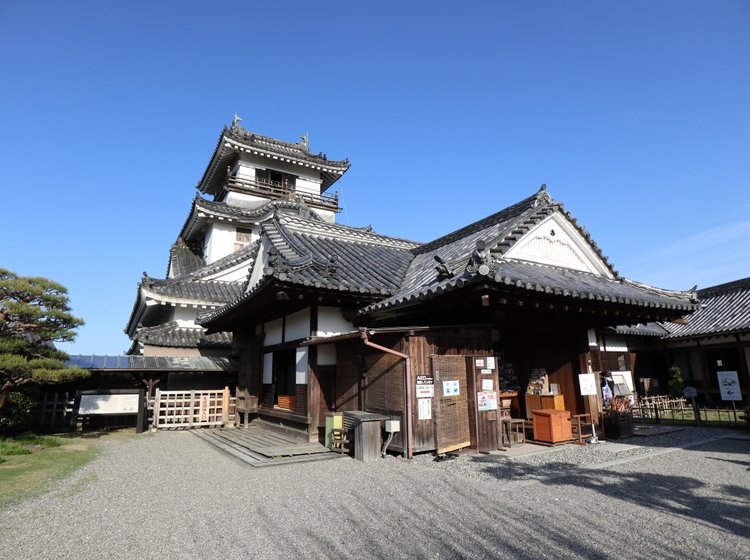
[[618, 418]]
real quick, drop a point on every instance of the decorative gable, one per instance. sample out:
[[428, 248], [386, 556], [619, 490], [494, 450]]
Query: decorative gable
[[557, 242]]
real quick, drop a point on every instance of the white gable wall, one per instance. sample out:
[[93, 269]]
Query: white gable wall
[[331, 322], [557, 242], [220, 240]]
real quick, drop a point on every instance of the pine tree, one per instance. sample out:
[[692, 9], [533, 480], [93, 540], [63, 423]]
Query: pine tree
[[34, 314]]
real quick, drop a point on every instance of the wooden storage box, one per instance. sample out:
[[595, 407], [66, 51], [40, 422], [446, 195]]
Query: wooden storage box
[[539, 402], [552, 426]]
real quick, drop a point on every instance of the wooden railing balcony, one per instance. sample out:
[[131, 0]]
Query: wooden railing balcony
[[273, 189]]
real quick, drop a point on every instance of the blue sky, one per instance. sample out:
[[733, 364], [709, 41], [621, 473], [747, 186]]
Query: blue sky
[[635, 114]]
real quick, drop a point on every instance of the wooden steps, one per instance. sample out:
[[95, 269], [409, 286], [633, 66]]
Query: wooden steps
[[261, 447]]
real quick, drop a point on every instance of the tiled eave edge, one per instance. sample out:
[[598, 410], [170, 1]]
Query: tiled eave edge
[[461, 281]]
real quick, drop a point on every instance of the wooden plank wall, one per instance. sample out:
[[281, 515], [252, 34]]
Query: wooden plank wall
[[474, 341]]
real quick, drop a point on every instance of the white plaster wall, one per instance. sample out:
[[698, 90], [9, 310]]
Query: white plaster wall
[[297, 325], [327, 355], [302, 366], [308, 185], [268, 368], [273, 332], [327, 215], [185, 316], [331, 322], [220, 241]]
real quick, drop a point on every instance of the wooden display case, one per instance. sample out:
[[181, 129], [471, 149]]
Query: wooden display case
[[539, 402], [552, 426]]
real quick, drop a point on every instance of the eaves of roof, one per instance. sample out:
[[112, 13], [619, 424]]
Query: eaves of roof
[[172, 335], [180, 290], [565, 283], [236, 139], [725, 309]]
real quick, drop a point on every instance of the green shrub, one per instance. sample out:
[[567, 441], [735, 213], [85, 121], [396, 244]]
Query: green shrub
[[17, 415], [676, 382]]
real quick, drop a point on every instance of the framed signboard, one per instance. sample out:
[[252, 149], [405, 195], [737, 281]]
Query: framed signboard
[[729, 385]]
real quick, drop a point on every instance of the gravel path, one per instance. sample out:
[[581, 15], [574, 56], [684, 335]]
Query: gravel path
[[171, 495]]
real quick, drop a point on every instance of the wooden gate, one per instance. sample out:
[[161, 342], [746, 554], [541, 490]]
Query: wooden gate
[[188, 409], [451, 403]]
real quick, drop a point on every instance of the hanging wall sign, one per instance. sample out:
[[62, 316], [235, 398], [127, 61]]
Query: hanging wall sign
[[425, 386], [450, 388], [729, 385], [424, 407]]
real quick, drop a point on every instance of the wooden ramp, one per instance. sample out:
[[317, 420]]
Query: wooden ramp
[[260, 446]]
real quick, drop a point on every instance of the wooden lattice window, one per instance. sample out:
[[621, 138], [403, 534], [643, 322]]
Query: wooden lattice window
[[242, 237]]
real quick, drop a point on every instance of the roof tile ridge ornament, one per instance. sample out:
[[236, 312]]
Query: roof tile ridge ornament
[[481, 260], [443, 272]]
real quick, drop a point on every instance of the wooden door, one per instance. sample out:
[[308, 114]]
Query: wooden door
[[451, 403]]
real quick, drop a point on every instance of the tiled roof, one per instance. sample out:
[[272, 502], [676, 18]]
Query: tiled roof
[[331, 257], [130, 363], [567, 283], [249, 214], [237, 139], [184, 258], [647, 329], [245, 255], [724, 309], [193, 291], [172, 335], [460, 263]]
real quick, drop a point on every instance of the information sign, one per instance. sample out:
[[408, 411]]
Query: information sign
[[729, 386]]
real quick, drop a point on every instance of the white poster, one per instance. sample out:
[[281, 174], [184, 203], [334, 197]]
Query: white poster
[[425, 387], [587, 382], [424, 409], [488, 385], [486, 400], [491, 362], [729, 385], [450, 388], [108, 404]]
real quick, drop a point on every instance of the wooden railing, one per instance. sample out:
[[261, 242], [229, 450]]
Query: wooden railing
[[280, 190], [192, 409]]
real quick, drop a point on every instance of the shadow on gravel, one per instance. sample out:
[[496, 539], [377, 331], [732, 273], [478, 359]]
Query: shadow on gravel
[[724, 506]]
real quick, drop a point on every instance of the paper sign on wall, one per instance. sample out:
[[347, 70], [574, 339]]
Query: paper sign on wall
[[450, 388], [424, 409], [425, 386], [488, 385], [486, 400]]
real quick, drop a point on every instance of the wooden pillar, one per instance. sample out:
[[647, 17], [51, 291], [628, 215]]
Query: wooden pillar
[[225, 406], [744, 368], [313, 394]]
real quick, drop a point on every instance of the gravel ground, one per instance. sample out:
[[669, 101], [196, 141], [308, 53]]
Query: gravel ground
[[170, 495]]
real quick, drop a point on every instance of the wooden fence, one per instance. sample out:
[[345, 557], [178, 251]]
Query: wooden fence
[[668, 410], [191, 409], [56, 410]]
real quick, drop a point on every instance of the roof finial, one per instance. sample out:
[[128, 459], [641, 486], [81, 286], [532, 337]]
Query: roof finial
[[543, 187], [236, 120], [305, 142]]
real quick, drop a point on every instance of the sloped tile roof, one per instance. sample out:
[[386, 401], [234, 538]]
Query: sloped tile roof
[[724, 309], [193, 291], [647, 329], [184, 258], [567, 283], [499, 233], [246, 254], [249, 214], [171, 334], [331, 257]]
